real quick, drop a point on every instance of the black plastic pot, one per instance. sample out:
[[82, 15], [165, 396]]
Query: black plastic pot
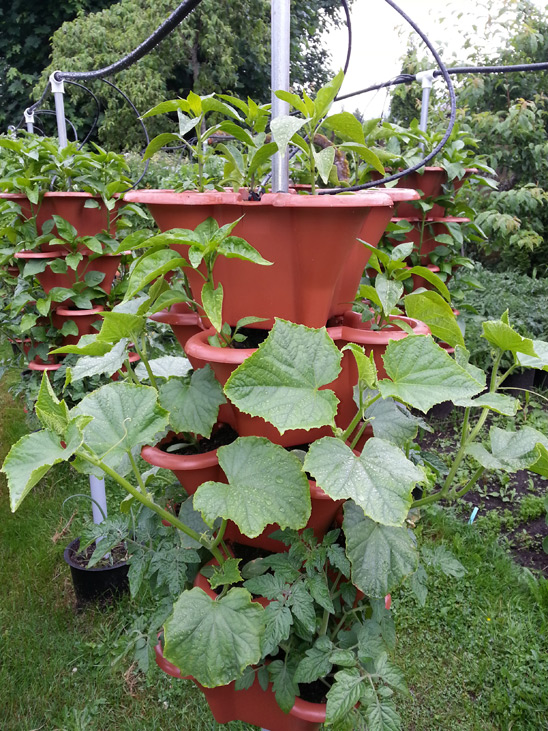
[[98, 584]]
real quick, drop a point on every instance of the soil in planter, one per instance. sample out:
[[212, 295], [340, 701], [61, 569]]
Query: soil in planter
[[118, 555], [509, 506], [253, 338], [219, 438]]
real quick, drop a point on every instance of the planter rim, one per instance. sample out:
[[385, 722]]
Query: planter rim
[[32, 366], [276, 200], [434, 219], [157, 457], [69, 312], [400, 194], [56, 254], [176, 318], [55, 194], [380, 337], [198, 347]]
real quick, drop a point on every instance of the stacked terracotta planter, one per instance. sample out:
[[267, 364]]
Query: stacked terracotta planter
[[425, 230], [88, 221], [316, 271]]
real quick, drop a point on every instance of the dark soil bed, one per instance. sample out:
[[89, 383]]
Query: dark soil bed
[[225, 434], [508, 505]]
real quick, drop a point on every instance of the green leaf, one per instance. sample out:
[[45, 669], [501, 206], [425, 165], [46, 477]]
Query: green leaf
[[325, 97], [266, 484], [118, 325], [106, 364], [233, 247], [433, 278], [262, 155], [434, 311], [228, 573], [381, 556], [423, 374], [382, 716], [166, 366], [317, 663], [268, 586], [34, 454], [214, 640], [540, 361], [443, 560], [193, 405], [280, 381], [506, 405], [278, 621], [502, 336], [53, 414], [343, 694], [510, 451], [294, 100], [324, 160], [150, 267], [212, 302], [283, 684], [283, 128], [390, 673], [391, 421], [346, 126], [380, 479], [367, 370], [158, 142], [125, 418], [388, 292]]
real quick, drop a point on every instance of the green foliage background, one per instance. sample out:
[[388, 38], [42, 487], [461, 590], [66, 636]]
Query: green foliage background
[[508, 114], [224, 45]]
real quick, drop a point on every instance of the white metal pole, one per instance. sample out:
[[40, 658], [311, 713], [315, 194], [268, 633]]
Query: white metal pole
[[280, 34], [427, 79], [58, 89], [98, 493], [29, 120]]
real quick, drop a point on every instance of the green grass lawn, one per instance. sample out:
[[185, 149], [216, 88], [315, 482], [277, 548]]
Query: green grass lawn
[[475, 656]]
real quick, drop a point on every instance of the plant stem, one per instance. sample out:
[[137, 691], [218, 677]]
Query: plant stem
[[137, 473], [147, 502], [471, 482], [144, 359], [130, 372]]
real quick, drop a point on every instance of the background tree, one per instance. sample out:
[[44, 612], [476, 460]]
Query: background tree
[[25, 31], [224, 45], [508, 114]]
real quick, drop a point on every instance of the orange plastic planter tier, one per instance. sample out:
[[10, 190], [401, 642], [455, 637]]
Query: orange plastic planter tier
[[308, 238]]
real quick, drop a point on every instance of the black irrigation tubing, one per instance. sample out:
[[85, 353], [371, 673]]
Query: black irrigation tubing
[[49, 111], [452, 117], [349, 27], [178, 15], [143, 126], [97, 111]]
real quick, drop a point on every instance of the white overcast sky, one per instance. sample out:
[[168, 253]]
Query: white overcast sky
[[378, 42]]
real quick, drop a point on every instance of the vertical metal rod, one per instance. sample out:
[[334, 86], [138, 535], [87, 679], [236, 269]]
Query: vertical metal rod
[[280, 35], [29, 120], [98, 493], [427, 79], [58, 89]]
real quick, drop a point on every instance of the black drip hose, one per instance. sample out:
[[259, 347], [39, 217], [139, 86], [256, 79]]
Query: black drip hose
[[143, 127], [349, 28], [184, 9], [452, 117], [48, 111], [97, 111]]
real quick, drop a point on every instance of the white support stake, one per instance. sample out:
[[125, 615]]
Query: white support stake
[[98, 493], [29, 120], [427, 79], [58, 89], [280, 34]]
